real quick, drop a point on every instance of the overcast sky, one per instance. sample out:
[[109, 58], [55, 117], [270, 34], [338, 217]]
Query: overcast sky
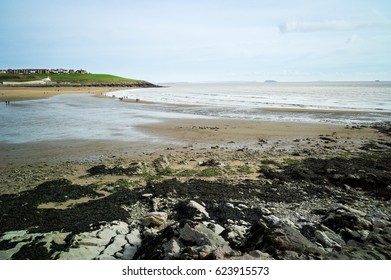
[[197, 40]]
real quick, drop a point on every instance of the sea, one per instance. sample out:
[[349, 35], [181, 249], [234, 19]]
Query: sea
[[83, 116]]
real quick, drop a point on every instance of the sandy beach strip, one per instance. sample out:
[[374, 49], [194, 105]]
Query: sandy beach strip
[[220, 131], [28, 93], [176, 134]]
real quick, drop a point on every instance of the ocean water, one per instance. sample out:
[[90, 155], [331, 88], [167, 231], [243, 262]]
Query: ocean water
[[337, 103], [82, 116], [76, 116]]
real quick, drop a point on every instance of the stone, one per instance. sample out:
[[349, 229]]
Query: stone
[[155, 219], [348, 234], [377, 214], [129, 252], [387, 230], [253, 255], [201, 235], [106, 233], [287, 238], [203, 252], [341, 218], [332, 235], [99, 244], [224, 252], [265, 211], [120, 227], [172, 248], [105, 257], [325, 240], [161, 163], [116, 246], [217, 229], [272, 220], [156, 201], [89, 240], [147, 195], [230, 205], [254, 237], [19, 238], [380, 223], [58, 238], [242, 206], [291, 255], [236, 232], [81, 253], [198, 207], [134, 238], [349, 209], [364, 234]]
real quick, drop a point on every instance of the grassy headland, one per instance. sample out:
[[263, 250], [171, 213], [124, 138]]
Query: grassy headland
[[97, 84], [76, 80]]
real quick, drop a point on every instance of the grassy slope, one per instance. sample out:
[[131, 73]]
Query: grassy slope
[[69, 78]]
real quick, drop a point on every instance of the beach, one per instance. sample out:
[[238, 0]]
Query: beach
[[27, 93], [324, 187]]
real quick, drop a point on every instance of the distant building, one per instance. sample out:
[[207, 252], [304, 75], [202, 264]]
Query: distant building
[[42, 71], [81, 71]]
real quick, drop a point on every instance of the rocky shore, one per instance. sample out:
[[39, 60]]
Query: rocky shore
[[324, 197]]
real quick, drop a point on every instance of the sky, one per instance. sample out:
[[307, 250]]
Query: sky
[[201, 40]]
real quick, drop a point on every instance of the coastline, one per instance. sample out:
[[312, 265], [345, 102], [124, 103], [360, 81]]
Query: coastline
[[241, 184], [197, 134], [28, 93]]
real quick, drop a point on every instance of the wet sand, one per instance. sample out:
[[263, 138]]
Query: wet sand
[[223, 131], [28, 93], [175, 134]]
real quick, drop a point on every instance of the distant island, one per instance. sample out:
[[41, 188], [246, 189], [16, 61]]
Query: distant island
[[270, 81], [62, 77]]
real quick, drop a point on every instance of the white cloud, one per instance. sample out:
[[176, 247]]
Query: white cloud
[[316, 26]]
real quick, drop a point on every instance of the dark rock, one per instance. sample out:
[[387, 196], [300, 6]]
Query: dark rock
[[152, 247], [286, 238], [346, 218], [253, 240], [33, 251], [327, 139], [20, 211], [371, 174], [116, 170], [210, 162], [278, 239], [190, 210], [200, 235]]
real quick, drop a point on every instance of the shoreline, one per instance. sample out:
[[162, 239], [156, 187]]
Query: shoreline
[[172, 134], [20, 93], [30, 93], [221, 131]]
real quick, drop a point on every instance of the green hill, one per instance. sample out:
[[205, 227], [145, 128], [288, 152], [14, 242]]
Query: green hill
[[76, 79]]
